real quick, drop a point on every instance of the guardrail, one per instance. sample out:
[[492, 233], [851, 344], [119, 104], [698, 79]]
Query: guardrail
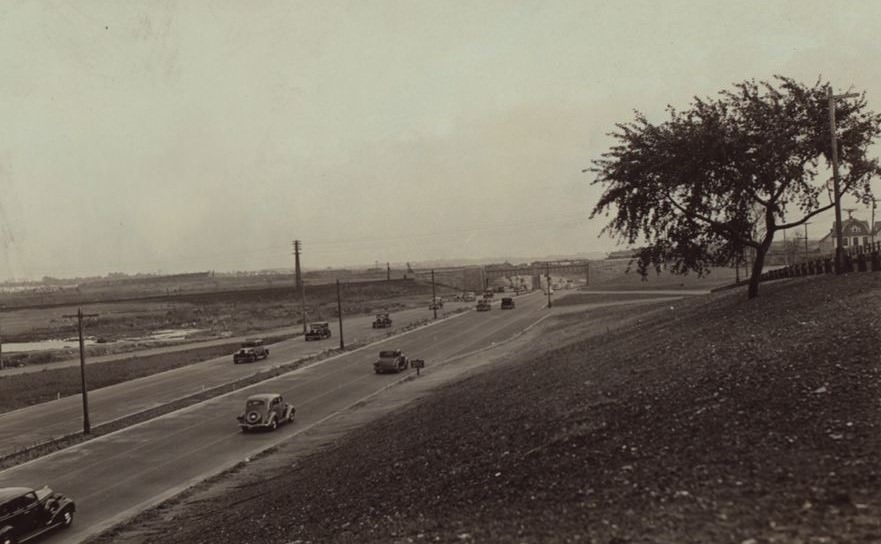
[[863, 258]]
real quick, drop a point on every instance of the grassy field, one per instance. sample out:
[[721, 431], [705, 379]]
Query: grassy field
[[233, 312], [20, 390], [614, 275], [720, 420]]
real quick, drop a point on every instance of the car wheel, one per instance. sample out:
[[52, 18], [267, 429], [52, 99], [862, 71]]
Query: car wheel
[[8, 540], [67, 517], [291, 416], [273, 425]]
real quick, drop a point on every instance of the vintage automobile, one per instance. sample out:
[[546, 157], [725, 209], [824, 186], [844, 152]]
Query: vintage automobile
[[391, 360], [265, 411], [436, 303], [507, 303], [318, 331], [382, 321], [484, 306], [27, 513], [251, 350], [469, 296]]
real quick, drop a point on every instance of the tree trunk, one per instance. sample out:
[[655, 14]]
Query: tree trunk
[[758, 264]]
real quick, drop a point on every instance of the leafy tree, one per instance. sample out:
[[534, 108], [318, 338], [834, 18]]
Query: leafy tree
[[723, 177]]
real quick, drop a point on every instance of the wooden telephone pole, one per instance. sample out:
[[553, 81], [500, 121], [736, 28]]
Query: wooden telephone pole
[[339, 307], [433, 296], [299, 278], [79, 315], [839, 249]]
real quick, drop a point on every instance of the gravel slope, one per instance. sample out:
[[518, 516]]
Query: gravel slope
[[716, 419]]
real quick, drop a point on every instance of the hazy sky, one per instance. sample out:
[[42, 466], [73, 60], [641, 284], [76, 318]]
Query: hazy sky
[[196, 135]]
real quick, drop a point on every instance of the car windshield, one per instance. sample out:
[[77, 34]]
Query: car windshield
[[388, 354], [254, 403], [250, 344]]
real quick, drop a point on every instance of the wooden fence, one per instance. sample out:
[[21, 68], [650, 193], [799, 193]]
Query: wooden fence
[[856, 259]]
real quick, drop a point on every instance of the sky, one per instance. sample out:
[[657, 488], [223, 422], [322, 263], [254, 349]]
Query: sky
[[170, 136]]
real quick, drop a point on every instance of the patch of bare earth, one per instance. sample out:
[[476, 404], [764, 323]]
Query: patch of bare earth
[[719, 420]]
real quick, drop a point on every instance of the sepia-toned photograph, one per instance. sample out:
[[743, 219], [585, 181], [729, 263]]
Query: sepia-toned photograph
[[460, 271]]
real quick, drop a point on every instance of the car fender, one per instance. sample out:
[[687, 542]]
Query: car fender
[[63, 505]]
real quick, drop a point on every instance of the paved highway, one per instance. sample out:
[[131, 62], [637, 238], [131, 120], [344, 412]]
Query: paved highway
[[40, 423], [117, 475]]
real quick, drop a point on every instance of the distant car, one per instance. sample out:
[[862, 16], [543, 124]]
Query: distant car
[[507, 303], [436, 304], [489, 293], [318, 331], [27, 513], [391, 360], [469, 297], [382, 321], [265, 411], [484, 306], [251, 350]]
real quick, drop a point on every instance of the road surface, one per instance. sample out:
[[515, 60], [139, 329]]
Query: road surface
[[36, 424], [119, 474]]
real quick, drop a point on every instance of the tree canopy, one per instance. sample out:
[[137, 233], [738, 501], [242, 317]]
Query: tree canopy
[[725, 175]]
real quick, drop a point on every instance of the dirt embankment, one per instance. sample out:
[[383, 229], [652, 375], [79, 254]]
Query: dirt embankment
[[716, 420]]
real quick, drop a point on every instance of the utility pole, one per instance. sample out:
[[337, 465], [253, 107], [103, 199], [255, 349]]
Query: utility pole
[[87, 427], [339, 308], [871, 227], [433, 296], [388, 272], [806, 240], [299, 278], [839, 249], [548, 274]]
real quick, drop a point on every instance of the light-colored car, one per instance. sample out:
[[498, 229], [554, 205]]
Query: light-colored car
[[265, 411]]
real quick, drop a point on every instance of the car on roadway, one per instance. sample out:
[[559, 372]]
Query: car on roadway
[[250, 350], [391, 360], [488, 294], [436, 304], [318, 331], [382, 321], [469, 296], [27, 513], [265, 411], [484, 306], [507, 303]]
